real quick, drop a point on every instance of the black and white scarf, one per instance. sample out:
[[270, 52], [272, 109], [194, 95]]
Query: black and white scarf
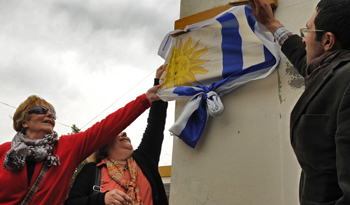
[[23, 148]]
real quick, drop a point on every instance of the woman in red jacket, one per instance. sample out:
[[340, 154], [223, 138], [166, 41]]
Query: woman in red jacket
[[36, 150], [126, 175]]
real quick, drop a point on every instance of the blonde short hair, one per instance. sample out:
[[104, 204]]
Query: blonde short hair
[[22, 113]]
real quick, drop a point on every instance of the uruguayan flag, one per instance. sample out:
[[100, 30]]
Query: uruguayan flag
[[210, 59]]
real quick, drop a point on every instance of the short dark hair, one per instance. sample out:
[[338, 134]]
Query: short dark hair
[[334, 16], [102, 153]]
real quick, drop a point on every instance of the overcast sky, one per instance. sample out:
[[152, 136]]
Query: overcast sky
[[82, 56]]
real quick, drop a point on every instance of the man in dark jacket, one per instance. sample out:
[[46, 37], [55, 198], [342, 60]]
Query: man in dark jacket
[[320, 121]]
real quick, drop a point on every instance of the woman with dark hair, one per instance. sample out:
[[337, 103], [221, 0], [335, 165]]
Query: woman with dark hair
[[127, 176], [38, 166]]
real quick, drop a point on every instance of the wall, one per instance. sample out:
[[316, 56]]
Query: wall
[[244, 156]]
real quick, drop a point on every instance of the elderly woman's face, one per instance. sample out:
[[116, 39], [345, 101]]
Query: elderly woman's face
[[121, 144], [39, 125]]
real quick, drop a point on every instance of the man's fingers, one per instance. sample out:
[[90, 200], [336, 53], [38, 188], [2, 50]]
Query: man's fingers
[[258, 3], [252, 4]]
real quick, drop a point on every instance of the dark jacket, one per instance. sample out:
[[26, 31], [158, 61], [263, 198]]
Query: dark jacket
[[320, 130], [146, 156]]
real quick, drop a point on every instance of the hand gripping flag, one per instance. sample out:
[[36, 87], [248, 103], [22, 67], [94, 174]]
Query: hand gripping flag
[[210, 59]]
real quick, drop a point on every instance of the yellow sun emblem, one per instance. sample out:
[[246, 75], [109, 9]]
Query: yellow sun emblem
[[184, 64]]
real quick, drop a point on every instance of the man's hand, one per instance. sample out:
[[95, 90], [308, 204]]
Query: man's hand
[[117, 197], [263, 13]]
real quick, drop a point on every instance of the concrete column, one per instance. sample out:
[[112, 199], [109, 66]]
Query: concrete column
[[244, 156]]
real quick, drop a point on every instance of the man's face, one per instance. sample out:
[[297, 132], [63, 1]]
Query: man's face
[[313, 48]]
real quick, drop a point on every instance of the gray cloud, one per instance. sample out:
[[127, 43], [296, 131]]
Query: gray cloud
[[96, 31], [80, 55], [128, 21]]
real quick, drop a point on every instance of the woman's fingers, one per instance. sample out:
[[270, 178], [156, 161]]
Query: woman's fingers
[[152, 93], [117, 197], [160, 71], [125, 197]]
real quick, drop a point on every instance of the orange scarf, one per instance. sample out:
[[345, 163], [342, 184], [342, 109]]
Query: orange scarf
[[116, 171]]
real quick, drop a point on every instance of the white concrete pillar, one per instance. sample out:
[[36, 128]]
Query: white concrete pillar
[[244, 156]]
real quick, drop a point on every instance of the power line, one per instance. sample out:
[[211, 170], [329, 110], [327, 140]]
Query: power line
[[16, 108], [104, 109], [63, 124], [119, 98], [8, 105]]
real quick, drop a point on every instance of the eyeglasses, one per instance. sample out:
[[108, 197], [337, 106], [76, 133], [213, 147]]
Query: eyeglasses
[[304, 31], [41, 110]]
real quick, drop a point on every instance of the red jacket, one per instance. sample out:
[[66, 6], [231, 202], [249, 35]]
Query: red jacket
[[72, 150]]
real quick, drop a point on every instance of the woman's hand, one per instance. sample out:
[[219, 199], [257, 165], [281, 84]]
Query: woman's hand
[[160, 71], [152, 93], [263, 13], [117, 197]]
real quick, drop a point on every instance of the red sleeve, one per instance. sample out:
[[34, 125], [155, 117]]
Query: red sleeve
[[83, 144], [4, 148]]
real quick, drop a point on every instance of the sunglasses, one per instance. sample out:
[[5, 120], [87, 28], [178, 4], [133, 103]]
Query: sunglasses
[[41, 110]]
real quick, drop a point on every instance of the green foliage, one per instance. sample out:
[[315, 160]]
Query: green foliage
[[75, 129]]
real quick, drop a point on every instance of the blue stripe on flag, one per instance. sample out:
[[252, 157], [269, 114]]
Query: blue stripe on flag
[[166, 42], [186, 91], [190, 91], [270, 60], [231, 45], [250, 18], [195, 125], [238, 72]]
